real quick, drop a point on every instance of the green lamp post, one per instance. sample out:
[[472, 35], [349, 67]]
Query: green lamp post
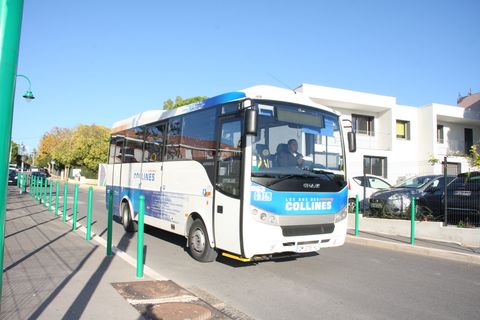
[[10, 26]]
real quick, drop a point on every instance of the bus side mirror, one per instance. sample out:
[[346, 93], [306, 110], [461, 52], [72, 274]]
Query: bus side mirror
[[352, 141], [251, 122]]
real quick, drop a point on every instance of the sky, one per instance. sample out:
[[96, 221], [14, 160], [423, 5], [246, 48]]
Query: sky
[[97, 62]]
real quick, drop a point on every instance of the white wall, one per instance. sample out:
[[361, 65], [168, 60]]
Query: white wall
[[404, 157]]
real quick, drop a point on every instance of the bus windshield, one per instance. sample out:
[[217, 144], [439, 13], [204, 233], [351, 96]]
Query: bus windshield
[[295, 140]]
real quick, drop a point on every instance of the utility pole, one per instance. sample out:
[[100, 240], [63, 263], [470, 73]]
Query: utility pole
[[10, 26]]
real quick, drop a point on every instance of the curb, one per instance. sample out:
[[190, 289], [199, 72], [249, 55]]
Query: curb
[[430, 252]]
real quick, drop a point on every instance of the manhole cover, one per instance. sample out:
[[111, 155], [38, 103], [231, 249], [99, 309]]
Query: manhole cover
[[143, 290], [180, 311]]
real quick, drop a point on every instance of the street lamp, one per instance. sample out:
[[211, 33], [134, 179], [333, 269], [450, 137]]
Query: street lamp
[[11, 21], [28, 95]]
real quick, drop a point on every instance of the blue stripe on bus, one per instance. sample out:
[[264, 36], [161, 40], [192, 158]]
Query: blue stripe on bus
[[161, 205], [223, 98], [294, 203]]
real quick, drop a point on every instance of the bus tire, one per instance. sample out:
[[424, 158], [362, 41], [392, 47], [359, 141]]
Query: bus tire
[[199, 244], [128, 224]]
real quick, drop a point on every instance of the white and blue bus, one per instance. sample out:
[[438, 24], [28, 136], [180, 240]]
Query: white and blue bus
[[252, 174]]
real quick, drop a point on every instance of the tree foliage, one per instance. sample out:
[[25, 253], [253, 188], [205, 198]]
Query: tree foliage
[[179, 102], [84, 146], [475, 156], [13, 152]]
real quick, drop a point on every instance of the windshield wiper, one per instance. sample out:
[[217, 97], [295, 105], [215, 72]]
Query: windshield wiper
[[288, 176], [320, 171]]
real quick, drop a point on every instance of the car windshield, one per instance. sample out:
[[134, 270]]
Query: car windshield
[[296, 140], [415, 182]]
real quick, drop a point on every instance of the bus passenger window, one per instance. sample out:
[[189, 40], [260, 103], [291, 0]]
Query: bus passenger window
[[133, 145], [173, 139], [154, 143]]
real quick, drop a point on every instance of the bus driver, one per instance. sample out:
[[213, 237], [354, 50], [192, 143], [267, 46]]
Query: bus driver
[[290, 157]]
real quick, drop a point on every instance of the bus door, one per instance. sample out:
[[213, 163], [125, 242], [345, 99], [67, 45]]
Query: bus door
[[228, 184]]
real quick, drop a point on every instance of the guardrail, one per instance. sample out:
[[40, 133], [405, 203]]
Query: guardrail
[[41, 190]]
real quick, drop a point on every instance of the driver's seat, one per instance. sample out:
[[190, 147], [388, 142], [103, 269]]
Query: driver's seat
[[281, 148]]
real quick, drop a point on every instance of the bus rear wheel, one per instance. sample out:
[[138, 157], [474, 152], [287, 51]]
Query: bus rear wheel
[[198, 243], [127, 222]]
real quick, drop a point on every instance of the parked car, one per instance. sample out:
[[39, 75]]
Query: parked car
[[463, 199], [12, 176], [37, 175], [357, 185], [427, 190]]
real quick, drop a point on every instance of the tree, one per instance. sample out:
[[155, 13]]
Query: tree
[[475, 156], [13, 152], [84, 146], [90, 146], [54, 146], [179, 102]]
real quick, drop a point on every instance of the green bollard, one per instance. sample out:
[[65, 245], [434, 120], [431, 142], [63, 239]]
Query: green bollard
[[89, 214], [40, 190], [75, 203], [50, 196], [412, 220], [25, 180], [20, 182], [65, 198], [31, 186], [45, 193], [141, 213], [57, 193], [356, 215], [109, 222], [35, 185]]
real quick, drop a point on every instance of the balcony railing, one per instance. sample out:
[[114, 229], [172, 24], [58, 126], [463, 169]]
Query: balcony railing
[[373, 140]]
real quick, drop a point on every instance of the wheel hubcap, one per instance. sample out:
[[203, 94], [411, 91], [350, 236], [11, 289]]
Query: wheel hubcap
[[198, 241]]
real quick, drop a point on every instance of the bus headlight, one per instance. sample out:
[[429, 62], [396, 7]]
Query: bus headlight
[[341, 215], [264, 217]]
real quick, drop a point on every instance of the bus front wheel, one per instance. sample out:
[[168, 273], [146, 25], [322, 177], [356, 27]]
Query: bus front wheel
[[127, 222], [198, 243]]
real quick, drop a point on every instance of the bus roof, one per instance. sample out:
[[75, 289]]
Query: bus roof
[[262, 92]]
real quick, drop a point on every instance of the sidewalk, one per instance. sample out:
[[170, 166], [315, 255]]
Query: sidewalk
[[437, 249], [52, 272]]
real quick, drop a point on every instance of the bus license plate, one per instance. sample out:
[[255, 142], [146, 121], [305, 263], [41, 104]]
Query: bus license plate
[[307, 247]]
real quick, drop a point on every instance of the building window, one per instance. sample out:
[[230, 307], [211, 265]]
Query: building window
[[403, 129], [440, 134], [375, 165], [468, 140], [363, 124]]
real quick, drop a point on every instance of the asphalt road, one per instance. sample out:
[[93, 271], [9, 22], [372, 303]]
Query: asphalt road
[[350, 282]]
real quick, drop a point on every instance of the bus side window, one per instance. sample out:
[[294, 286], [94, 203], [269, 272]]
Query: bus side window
[[111, 151], [133, 145], [173, 139], [229, 158], [154, 143], [118, 158]]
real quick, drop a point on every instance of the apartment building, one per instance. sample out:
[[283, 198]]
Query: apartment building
[[398, 141]]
